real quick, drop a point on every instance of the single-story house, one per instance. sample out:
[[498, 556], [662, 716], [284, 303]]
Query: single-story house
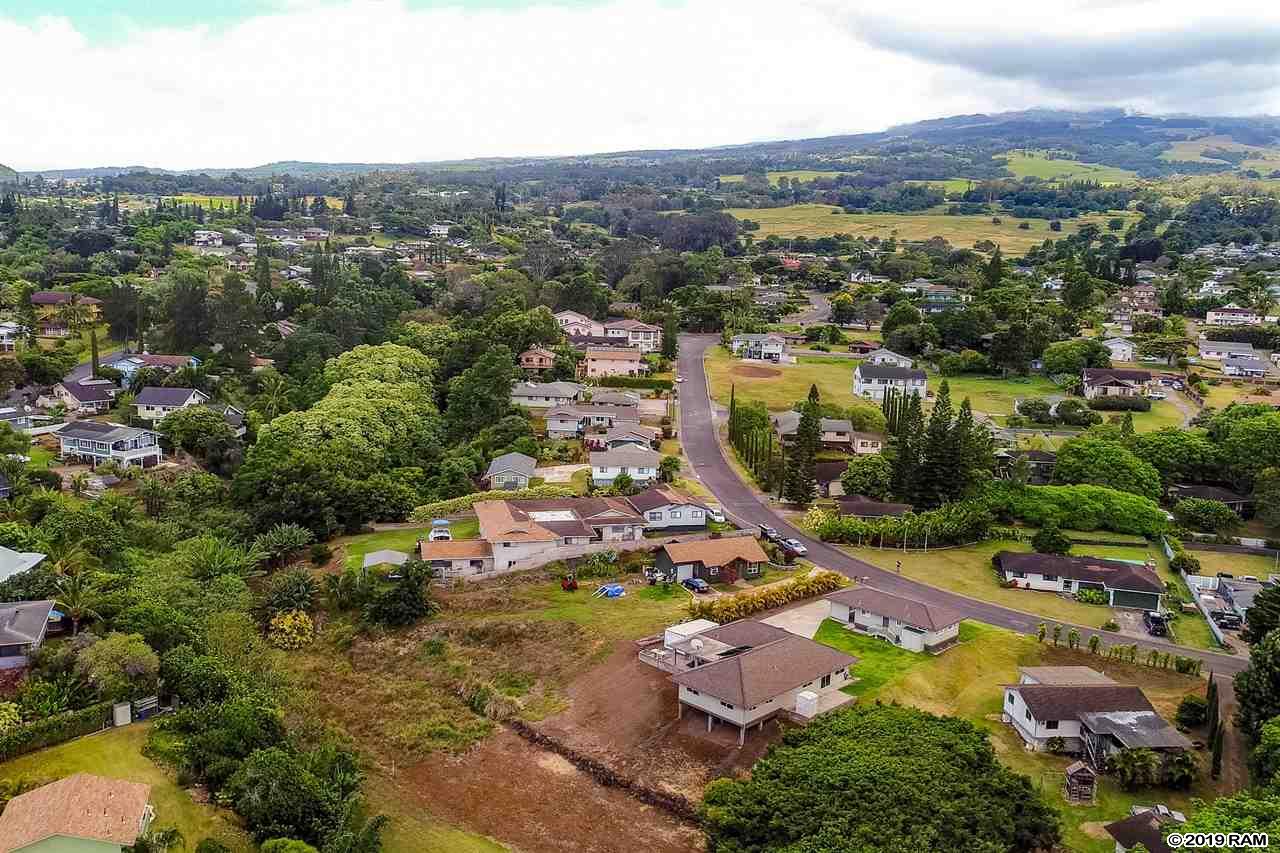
[[714, 560], [613, 398], [571, 421], [544, 395], [154, 404], [1121, 349], [1222, 350], [384, 557], [1254, 368], [131, 364], [860, 506], [1114, 382], [639, 464], [87, 395], [1129, 585], [866, 443], [664, 508], [1093, 719], [623, 435], [887, 357], [1040, 465], [873, 381], [913, 625], [82, 813], [765, 347], [746, 673], [18, 417], [836, 432], [23, 625], [457, 557], [510, 471], [93, 442], [1239, 503], [16, 562], [1146, 826]]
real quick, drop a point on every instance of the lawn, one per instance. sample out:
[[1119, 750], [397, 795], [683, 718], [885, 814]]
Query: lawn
[[1212, 562], [965, 681], [400, 540], [117, 754], [824, 220], [968, 571], [951, 187], [994, 396], [879, 662], [1034, 164], [642, 611], [785, 384], [1163, 414]]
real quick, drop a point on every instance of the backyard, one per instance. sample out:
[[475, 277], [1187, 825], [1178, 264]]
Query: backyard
[[117, 754], [966, 681], [401, 539], [968, 571]]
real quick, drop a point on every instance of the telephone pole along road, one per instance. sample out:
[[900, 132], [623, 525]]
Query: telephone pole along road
[[698, 434]]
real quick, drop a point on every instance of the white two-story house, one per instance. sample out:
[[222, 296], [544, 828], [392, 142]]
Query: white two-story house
[[770, 347], [873, 382], [643, 336], [640, 465]]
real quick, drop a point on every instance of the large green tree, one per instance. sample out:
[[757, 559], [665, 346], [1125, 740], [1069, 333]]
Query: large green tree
[[801, 483], [851, 780], [1258, 687], [1105, 463]]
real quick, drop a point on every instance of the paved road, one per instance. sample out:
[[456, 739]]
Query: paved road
[[81, 371], [819, 311], [698, 434]]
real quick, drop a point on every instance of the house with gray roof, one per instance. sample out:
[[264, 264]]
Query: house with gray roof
[[836, 432], [23, 625], [873, 381], [510, 471], [640, 465], [86, 396], [905, 622], [16, 562], [154, 404], [91, 443], [545, 395]]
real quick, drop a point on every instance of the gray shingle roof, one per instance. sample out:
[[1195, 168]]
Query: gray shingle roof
[[23, 622], [517, 462], [764, 672], [908, 611], [886, 371], [153, 396]]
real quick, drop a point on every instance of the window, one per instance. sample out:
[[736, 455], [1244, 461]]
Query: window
[[1019, 575], [714, 571], [1027, 713], [695, 513], [1051, 577], [726, 704], [675, 513], [691, 690], [655, 516], [1050, 724], [825, 682], [1009, 698]]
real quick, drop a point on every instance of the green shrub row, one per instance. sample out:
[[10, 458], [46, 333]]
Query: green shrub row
[[958, 523], [1120, 404], [453, 506], [1078, 507], [727, 608], [53, 730]]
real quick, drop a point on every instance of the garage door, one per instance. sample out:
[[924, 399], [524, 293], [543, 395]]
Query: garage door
[[683, 573], [1138, 600]]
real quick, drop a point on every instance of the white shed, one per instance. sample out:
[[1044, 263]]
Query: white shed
[[680, 633]]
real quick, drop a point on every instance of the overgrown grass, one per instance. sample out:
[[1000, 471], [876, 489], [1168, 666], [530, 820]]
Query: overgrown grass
[[117, 754], [413, 831], [400, 540]]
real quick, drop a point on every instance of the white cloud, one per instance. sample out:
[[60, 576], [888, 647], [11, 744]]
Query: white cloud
[[375, 82]]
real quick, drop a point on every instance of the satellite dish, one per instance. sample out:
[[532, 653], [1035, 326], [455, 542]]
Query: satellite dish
[[696, 645]]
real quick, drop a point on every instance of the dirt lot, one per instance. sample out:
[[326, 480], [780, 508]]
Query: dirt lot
[[754, 372], [540, 803]]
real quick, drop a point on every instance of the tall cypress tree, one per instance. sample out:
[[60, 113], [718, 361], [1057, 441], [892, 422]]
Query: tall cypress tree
[[938, 463], [801, 472], [908, 439], [974, 453]]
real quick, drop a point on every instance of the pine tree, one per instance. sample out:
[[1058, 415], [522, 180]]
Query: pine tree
[[801, 475], [974, 453], [995, 269], [908, 440], [1126, 427], [938, 465]]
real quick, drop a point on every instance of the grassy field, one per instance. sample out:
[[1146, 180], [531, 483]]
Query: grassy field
[[400, 540], [994, 396], [229, 201], [823, 220], [1264, 159], [411, 831], [117, 754], [790, 382], [774, 177], [1163, 414], [965, 681], [1034, 164], [1212, 562], [968, 571], [952, 187]]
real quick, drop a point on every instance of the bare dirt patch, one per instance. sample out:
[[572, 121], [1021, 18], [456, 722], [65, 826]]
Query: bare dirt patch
[[505, 789], [754, 372], [1095, 829]]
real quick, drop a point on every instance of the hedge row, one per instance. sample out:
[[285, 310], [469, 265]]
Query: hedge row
[[453, 506], [958, 523], [54, 730], [1079, 507], [636, 382], [728, 608], [1120, 404]]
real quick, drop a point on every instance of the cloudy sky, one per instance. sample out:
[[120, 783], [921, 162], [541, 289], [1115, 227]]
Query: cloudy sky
[[179, 84]]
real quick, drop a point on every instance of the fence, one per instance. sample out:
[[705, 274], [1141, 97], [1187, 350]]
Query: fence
[[1194, 545], [1195, 596]]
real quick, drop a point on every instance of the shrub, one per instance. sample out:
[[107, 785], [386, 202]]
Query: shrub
[[728, 608], [1192, 711], [1079, 507], [290, 629], [1050, 540], [1184, 562], [10, 717], [53, 730], [321, 553], [44, 478], [1120, 404], [212, 845], [1203, 514], [1056, 745], [1091, 596], [1110, 625], [961, 522]]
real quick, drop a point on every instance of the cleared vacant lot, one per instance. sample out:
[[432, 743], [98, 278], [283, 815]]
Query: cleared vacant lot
[[824, 220], [781, 385]]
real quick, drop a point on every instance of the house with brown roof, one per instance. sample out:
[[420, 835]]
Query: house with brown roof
[[722, 560], [1129, 585], [1095, 718], [1145, 826], [746, 673], [905, 622], [79, 814], [643, 336], [537, 359], [51, 307], [612, 361], [457, 558], [1114, 382]]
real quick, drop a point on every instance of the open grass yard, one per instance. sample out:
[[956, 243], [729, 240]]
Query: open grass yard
[[823, 220], [1036, 164], [965, 681], [1163, 414], [994, 396], [117, 754], [1227, 392], [969, 571], [1212, 562], [404, 539], [791, 174], [781, 385]]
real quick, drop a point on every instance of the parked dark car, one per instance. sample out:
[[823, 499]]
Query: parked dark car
[[697, 585], [1157, 624], [1227, 620], [769, 534]]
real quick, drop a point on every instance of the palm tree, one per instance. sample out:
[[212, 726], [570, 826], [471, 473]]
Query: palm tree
[[67, 559], [282, 542], [74, 314], [273, 394], [14, 472], [356, 832], [1136, 768], [154, 494], [77, 597], [79, 484], [122, 509]]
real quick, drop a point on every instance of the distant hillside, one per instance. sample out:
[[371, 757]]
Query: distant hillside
[[6, 174]]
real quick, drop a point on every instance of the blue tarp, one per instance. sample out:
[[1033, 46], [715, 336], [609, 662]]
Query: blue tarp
[[611, 590]]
